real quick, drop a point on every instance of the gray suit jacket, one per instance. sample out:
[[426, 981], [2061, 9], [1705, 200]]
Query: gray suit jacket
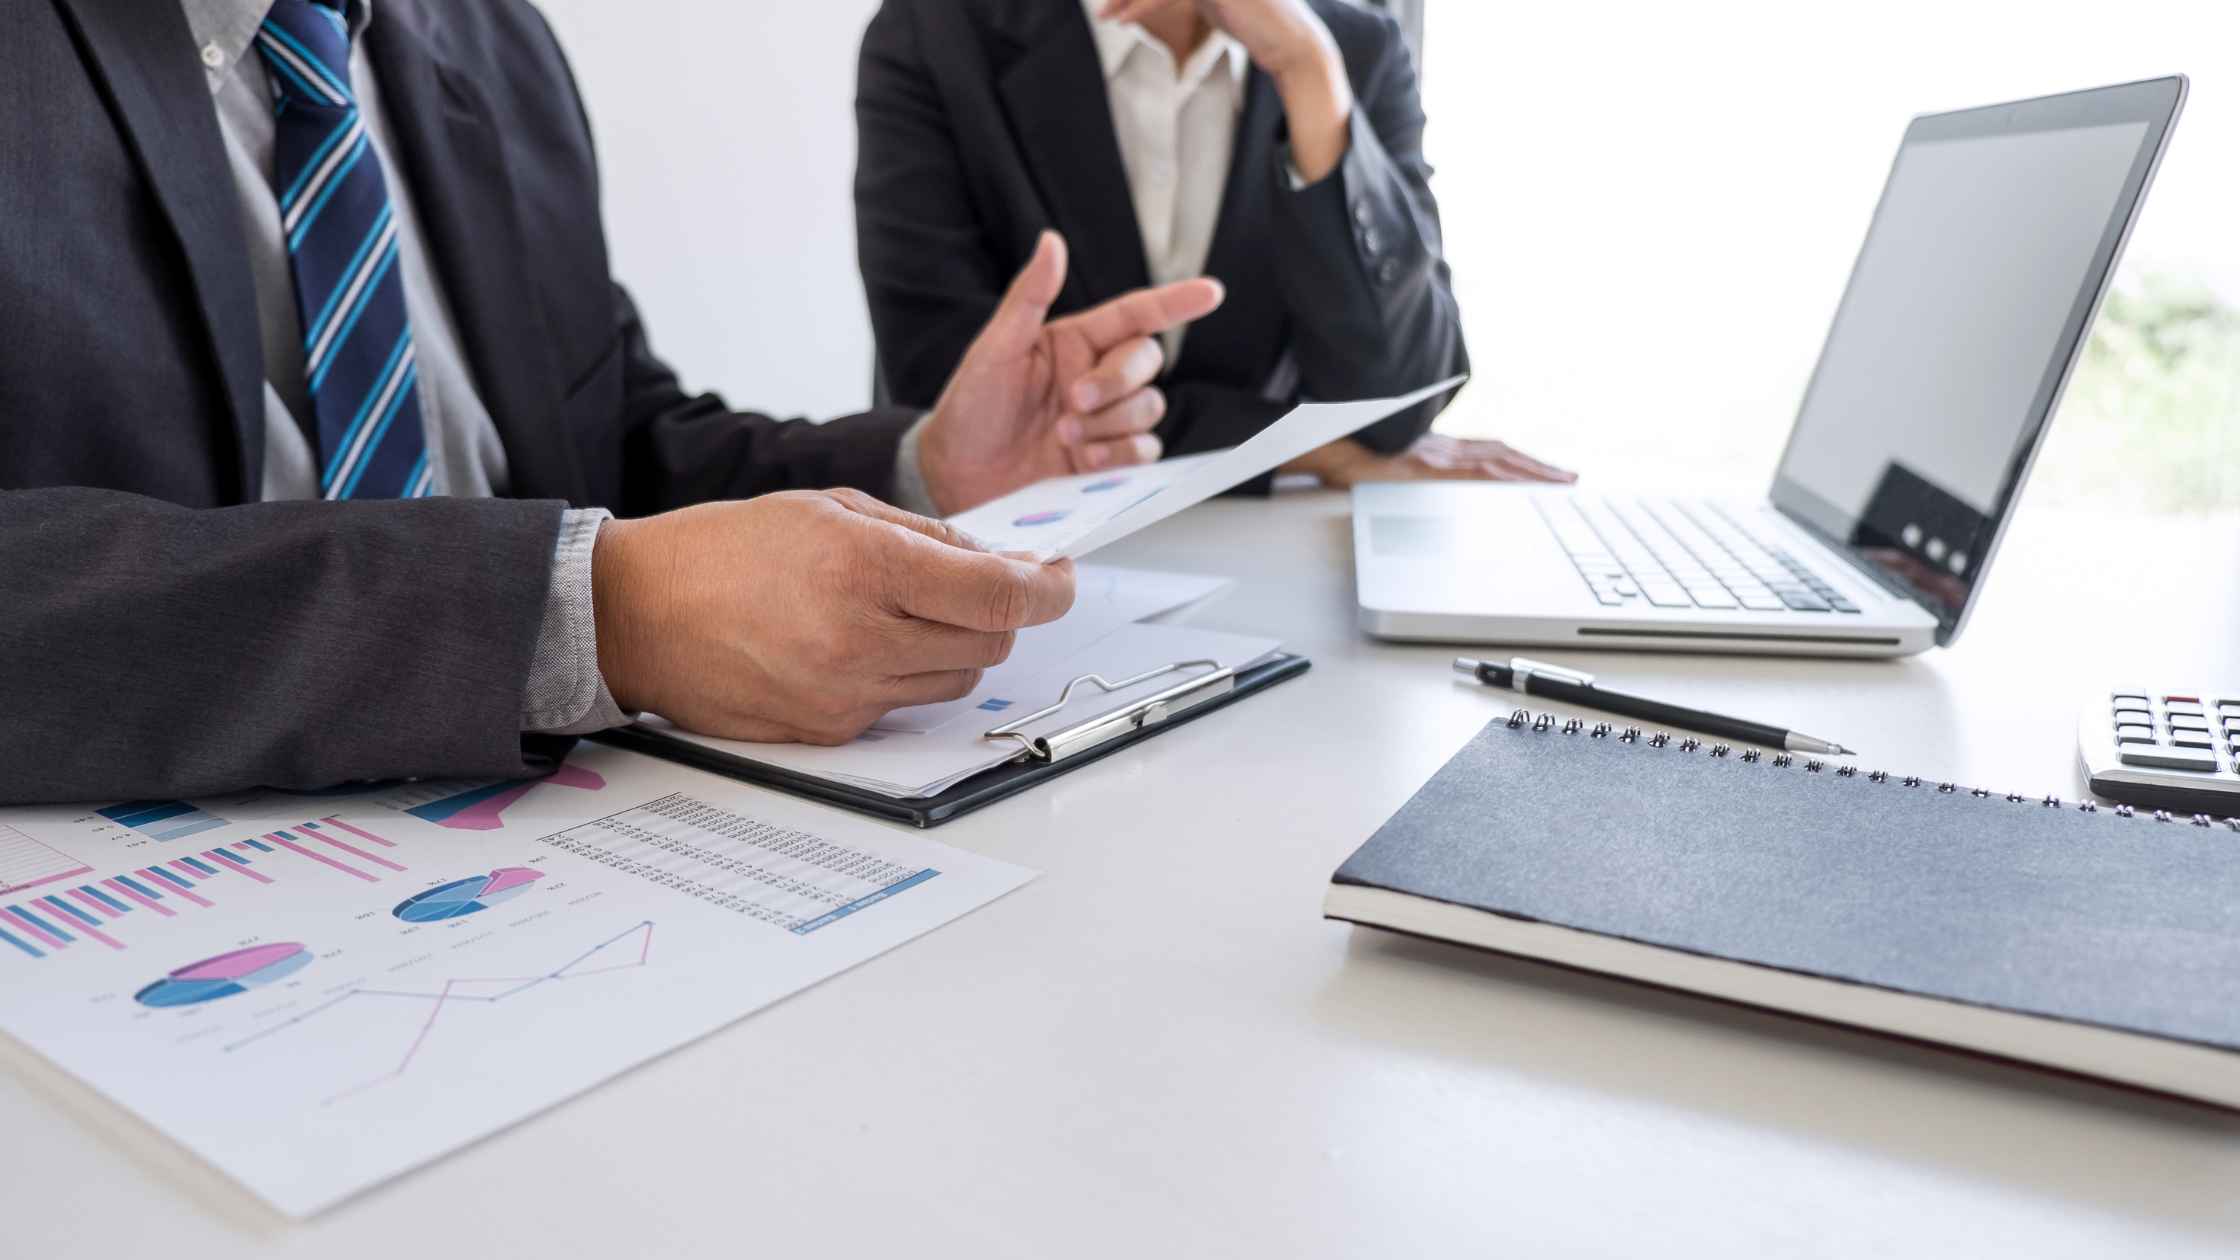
[[161, 635]]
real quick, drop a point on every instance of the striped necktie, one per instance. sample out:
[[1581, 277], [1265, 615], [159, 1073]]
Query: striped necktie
[[342, 240]]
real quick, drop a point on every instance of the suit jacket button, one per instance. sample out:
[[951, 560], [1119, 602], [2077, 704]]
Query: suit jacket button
[[1370, 241], [1385, 272], [1361, 212]]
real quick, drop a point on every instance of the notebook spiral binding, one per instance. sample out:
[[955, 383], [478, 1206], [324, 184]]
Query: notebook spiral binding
[[1522, 718]]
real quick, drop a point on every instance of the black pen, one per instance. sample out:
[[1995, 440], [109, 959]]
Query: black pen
[[1538, 678]]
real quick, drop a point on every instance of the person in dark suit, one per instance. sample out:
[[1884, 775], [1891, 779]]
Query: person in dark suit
[[316, 399], [1275, 145]]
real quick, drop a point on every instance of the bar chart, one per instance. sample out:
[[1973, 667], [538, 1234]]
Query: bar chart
[[163, 820], [48, 923]]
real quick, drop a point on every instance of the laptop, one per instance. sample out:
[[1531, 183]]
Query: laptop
[[1987, 259]]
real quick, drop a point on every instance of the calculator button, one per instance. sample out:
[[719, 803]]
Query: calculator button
[[2133, 715], [2169, 758], [2181, 722], [2181, 699], [2134, 734], [2191, 739], [2130, 699]]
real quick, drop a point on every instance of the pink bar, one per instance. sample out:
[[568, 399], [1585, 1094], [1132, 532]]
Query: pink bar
[[175, 888], [188, 871], [121, 890], [224, 865], [107, 910], [320, 834], [293, 847], [363, 835], [99, 935], [33, 928]]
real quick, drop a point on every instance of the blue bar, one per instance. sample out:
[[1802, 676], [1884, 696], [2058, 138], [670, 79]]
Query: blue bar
[[259, 845], [44, 926], [138, 887], [200, 865], [136, 813], [237, 861], [26, 946], [161, 873], [59, 904], [853, 906], [107, 900]]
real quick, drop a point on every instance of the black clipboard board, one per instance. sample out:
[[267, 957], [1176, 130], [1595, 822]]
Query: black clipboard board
[[985, 788]]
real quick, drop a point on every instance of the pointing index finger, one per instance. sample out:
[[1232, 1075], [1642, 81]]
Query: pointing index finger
[[1146, 312]]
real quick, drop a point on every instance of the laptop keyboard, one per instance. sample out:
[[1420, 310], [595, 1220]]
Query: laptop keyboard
[[1682, 553]]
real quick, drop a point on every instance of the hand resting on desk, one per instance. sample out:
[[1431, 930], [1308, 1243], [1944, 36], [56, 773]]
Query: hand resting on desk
[[804, 615]]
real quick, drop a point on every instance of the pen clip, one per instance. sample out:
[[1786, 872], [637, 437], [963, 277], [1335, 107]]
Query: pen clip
[[1526, 667], [1148, 711]]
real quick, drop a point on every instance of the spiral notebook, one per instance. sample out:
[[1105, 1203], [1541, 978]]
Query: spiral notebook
[[2098, 940]]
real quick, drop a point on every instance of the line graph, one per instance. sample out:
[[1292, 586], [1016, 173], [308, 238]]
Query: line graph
[[450, 993]]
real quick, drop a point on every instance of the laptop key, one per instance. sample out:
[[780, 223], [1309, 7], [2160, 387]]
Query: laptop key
[[1802, 600], [1840, 604], [1762, 603], [1713, 597]]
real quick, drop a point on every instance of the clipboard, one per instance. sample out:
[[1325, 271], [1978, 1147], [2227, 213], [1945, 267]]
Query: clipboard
[[1040, 757]]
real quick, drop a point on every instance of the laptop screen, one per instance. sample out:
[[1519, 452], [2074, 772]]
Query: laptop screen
[[1985, 261]]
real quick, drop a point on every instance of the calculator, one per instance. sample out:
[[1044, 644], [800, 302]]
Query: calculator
[[2176, 750]]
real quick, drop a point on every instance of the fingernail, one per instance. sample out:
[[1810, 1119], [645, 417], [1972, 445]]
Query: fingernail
[[1069, 432], [1085, 396], [1095, 456]]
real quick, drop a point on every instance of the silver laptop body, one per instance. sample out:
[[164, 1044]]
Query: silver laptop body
[[1990, 251]]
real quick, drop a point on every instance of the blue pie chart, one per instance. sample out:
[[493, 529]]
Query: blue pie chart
[[467, 896]]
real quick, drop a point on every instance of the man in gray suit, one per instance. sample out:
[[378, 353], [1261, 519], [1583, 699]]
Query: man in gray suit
[[330, 451]]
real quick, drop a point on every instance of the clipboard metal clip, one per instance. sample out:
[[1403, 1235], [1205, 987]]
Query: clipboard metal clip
[[1148, 711]]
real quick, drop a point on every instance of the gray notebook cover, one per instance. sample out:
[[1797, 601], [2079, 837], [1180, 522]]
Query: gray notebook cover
[[2128, 923]]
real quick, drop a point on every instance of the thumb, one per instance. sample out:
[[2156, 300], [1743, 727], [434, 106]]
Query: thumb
[[1018, 319]]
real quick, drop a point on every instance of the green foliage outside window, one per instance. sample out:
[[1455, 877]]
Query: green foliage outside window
[[2152, 418]]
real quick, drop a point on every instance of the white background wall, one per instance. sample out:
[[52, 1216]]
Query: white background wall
[[1651, 208], [727, 141]]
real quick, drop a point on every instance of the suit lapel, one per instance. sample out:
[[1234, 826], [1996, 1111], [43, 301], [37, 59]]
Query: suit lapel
[[454, 160], [144, 56], [1055, 96]]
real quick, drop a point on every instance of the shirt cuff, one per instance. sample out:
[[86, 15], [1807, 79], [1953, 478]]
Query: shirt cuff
[[910, 493], [566, 694]]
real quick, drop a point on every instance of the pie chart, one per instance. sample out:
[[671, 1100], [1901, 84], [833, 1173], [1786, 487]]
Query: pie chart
[[226, 975], [466, 896]]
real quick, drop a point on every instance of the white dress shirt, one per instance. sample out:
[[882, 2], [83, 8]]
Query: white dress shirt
[[1177, 127]]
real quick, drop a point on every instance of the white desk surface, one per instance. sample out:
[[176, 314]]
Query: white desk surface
[[1161, 1048]]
